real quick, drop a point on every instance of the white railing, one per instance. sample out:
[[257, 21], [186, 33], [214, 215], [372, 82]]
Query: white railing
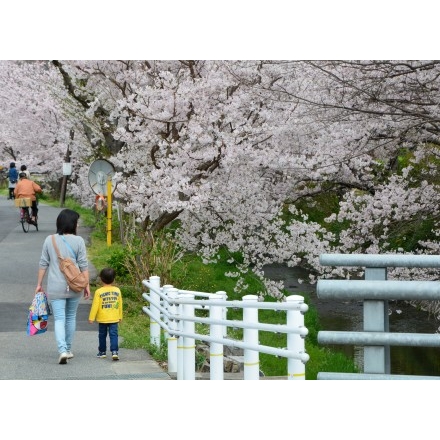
[[175, 312]]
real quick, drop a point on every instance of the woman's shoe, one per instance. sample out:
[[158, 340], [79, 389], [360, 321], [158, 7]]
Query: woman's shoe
[[63, 358]]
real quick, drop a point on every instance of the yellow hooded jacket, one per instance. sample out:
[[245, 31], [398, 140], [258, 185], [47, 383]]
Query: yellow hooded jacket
[[106, 305]]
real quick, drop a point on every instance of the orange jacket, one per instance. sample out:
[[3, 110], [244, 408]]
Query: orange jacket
[[26, 188]]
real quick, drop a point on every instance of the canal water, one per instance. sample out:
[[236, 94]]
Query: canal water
[[348, 316]]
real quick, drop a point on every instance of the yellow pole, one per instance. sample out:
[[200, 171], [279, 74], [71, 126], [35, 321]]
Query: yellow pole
[[109, 212]]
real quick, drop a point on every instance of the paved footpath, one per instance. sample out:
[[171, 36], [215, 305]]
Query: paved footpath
[[25, 357]]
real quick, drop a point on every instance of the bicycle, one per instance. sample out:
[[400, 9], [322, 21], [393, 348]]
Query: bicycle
[[25, 216]]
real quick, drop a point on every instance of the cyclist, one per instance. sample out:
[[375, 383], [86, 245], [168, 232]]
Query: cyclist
[[28, 188]]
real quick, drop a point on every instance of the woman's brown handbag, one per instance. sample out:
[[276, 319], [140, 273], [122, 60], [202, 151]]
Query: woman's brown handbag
[[76, 280]]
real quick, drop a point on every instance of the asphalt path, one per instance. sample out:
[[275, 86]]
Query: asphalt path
[[25, 357]]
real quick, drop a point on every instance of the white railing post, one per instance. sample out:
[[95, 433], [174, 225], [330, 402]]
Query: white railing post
[[189, 348], [224, 297], [172, 339], [180, 365], [154, 322], [166, 306], [216, 367], [296, 369], [250, 336]]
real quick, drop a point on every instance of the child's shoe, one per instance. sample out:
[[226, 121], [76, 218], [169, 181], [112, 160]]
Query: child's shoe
[[101, 355], [115, 356]]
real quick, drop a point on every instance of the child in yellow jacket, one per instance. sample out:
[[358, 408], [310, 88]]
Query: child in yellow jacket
[[107, 311]]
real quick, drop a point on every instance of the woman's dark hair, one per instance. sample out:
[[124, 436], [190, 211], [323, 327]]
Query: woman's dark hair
[[107, 275], [67, 222], [23, 168]]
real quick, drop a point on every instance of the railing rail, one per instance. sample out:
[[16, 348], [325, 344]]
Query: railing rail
[[174, 311], [375, 291]]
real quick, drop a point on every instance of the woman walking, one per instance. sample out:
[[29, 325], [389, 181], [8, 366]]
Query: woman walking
[[64, 302]]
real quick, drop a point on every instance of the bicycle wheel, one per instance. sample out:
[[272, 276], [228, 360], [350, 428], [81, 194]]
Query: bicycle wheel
[[25, 220]]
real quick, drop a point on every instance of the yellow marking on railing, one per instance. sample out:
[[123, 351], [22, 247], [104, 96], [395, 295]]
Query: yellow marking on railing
[[172, 339], [296, 374], [216, 354], [250, 364]]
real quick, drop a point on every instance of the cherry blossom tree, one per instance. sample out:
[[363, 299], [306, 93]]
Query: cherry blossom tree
[[197, 143], [242, 152]]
